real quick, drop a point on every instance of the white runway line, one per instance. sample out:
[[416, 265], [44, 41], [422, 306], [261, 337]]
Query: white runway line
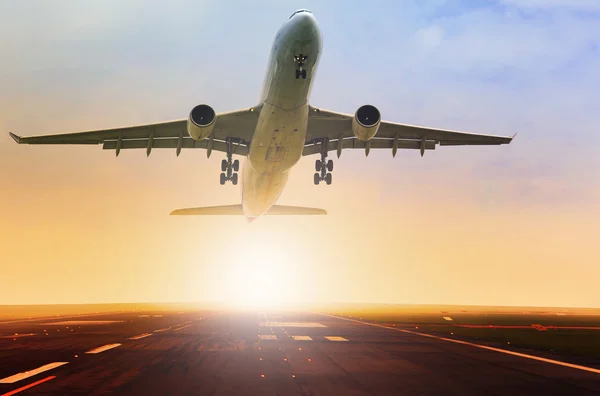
[[26, 374], [507, 352], [182, 327], [267, 337], [302, 338], [291, 324], [102, 348], [448, 318], [82, 322], [162, 330], [139, 337], [336, 338]]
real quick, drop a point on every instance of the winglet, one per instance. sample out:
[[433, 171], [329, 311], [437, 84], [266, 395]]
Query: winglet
[[15, 137]]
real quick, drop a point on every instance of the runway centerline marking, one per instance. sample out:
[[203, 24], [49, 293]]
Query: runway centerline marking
[[14, 392], [103, 348], [489, 348], [30, 373], [336, 338], [139, 337], [291, 324], [182, 327], [267, 337], [302, 338]]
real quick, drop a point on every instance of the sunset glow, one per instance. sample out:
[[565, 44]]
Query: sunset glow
[[509, 225]]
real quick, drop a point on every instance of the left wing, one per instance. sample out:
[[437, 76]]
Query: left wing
[[335, 129], [235, 126]]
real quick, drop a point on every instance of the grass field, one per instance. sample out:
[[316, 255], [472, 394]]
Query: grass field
[[573, 332]]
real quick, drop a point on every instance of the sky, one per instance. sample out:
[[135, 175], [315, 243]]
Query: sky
[[504, 225]]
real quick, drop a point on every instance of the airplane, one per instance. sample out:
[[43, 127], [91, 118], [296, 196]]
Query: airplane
[[275, 134]]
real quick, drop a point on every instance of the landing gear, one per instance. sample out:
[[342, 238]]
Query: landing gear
[[300, 71], [323, 166], [229, 167]]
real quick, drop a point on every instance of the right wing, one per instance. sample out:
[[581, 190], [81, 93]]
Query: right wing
[[235, 126], [334, 130]]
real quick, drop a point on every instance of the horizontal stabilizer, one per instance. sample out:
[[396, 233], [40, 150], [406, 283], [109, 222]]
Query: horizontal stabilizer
[[236, 210]]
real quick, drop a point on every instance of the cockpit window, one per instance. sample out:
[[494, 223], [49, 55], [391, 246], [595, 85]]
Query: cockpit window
[[299, 11]]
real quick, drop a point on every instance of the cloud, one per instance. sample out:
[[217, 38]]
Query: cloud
[[579, 5]]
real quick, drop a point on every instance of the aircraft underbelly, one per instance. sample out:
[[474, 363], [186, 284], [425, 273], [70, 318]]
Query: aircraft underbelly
[[276, 146]]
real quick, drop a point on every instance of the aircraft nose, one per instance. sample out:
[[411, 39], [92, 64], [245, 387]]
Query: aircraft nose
[[305, 24]]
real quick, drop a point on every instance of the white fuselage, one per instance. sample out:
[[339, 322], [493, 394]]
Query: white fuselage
[[280, 134]]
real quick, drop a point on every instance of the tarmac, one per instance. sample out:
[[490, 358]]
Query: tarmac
[[260, 353]]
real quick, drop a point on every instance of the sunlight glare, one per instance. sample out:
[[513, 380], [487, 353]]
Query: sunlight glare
[[261, 272]]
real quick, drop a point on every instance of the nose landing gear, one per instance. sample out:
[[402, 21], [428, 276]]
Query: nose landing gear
[[323, 167], [229, 167], [300, 71]]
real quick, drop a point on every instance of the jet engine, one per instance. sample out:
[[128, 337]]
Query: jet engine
[[366, 122], [201, 122]]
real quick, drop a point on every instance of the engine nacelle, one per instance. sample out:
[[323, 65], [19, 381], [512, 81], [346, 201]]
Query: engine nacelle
[[366, 122], [201, 122]]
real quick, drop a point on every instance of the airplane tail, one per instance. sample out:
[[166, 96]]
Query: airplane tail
[[236, 210]]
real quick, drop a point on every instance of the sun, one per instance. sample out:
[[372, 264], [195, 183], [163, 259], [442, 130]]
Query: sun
[[261, 274]]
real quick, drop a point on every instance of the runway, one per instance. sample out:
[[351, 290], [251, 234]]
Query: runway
[[259, 353]]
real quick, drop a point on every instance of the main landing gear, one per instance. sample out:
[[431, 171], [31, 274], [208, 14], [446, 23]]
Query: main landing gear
[[323, 167], [229, 167], [300, 71]]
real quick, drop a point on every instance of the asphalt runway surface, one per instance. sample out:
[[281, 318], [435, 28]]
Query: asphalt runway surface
[[259, 353]]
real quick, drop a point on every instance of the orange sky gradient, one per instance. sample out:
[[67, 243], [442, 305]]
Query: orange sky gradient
[[507, 225]]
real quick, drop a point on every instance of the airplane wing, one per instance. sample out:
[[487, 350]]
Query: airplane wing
[[335, 130], [235, 126]]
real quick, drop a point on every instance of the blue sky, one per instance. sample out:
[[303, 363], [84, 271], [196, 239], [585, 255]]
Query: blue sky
[[530, 67]]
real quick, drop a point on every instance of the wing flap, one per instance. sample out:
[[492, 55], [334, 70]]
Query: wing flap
[[187, 143], [375, 143]]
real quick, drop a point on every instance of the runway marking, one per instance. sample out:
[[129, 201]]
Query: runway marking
[[182, 327], [162, 330], [336, 338], [139, 337], [102, 348], [18, 335], [302, 338], [267, 337], [448, 318], [489, 348], [82, 322], [14, 392], [291, 324], [26, 374]]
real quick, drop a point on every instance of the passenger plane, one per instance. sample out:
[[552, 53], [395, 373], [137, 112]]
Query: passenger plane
[[277, 132]]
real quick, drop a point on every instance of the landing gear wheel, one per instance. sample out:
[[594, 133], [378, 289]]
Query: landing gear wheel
[[223, 166], [304, 74], [330, 165], [328, 179], [297, 74], [223, 178], [234, 179], [236, 166], [317, 179], [318, 165]]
